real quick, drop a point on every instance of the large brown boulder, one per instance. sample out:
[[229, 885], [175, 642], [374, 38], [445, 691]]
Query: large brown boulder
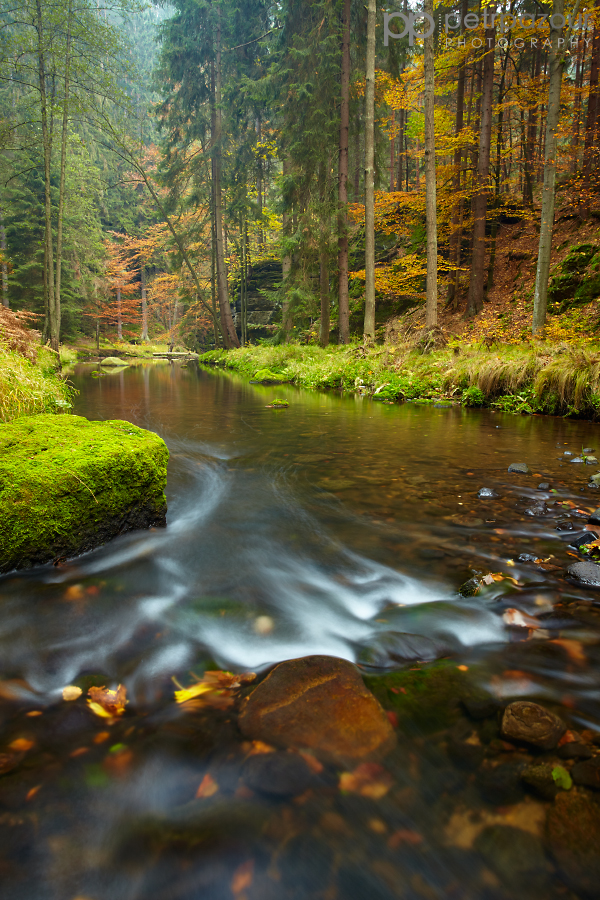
[[573, 832], [319, 703]]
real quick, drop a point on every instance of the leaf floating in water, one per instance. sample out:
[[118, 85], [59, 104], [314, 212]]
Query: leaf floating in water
[[71, 692], [216, 689], [106, 703], [242, 878], [21, 745], [208, 787], [518, 619], [573, 649], [368, 780]]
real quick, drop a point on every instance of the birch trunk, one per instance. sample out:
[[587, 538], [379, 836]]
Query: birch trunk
[[369, 324]]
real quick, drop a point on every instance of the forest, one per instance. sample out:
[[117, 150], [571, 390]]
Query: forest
[[210, 174]]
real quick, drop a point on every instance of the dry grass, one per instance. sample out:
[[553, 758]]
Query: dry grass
[[16, 335]]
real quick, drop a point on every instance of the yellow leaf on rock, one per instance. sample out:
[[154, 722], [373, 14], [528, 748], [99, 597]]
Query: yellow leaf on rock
[[208, 787]]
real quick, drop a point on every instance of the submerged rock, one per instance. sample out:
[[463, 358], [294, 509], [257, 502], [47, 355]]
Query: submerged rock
[[68, 485], [540, 779], [278, 774], [587, 773], [586, 537], [486, 493], [586, 573], [594, 519], [531, 723], [519, 468], [515, 856], [573, 832], [319, 703], [388, 649]]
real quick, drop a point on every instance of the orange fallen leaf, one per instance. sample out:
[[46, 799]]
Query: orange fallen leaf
[[463, 668], [106, 703], [315, 766], [74, 592], [34, 713], [71, 692], [573, 649], [21, 745], [216, 690], [80, 751], [101, 737], [368, 780], [208, 787], [392, 718], [569, 737], [118, 763], [92, 590], [404, 836], [242, 877], [256, 747], [31, 793]]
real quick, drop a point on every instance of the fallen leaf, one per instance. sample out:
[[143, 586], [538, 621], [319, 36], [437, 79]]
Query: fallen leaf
[[463, 668], [71, 692], [311, 761], [368, 780], [80, 751], [404, 836], [21, 745], [118, 763], [562, 778], [106, 703], [101, 737], [518, 619], [216, 690], [568, 737], [74, 592], [34, 713], [392, 718], [254, 748], [574, 649], [208, 787], [242, 877], [32, 792]]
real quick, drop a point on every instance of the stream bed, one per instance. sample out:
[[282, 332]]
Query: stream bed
[[342, 527]]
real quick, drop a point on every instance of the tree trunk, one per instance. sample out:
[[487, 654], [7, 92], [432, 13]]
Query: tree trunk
[[579, 69], [400, 174], [540, 297], [144, 301], [119, 316], [393, 152], [5, 301], [430, 185], [454, 248], [476, 284], [591, 151], [286, 265], [342, 222], [47, 150], [369, 324], [63, 170], [357, 161], [230, 337], [325, 190]]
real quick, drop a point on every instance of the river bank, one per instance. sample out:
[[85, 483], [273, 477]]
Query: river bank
[[552, 379]]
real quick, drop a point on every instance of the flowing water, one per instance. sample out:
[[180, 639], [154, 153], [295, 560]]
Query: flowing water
[[336, 526]]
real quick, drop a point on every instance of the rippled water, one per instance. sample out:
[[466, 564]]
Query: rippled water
[[334, 526]]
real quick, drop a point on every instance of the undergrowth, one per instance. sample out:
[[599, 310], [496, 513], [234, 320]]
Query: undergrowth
[[559, 380]]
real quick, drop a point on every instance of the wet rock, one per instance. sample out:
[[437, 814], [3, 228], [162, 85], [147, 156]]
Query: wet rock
[[591, 461], [481, 707], [580, 540], [566, 526], [587, 450], [594, 519], [539, 778], [519, 468], [464, 747], [515, 856], [527, 557], [567, 453], [586, 573], [485, 493], [531, 723], [278, 774], [587, 773], [321, 703], [501, 784], [392, 647], [595, 479], [538, 509], [575, 750], [470, 588], [573, 833], [577, 459], [544, 486]]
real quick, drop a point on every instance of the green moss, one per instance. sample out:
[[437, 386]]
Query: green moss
[[68, 485], [425, 699], [266, 376]]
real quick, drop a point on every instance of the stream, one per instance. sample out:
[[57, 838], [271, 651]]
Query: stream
[[338, 526]]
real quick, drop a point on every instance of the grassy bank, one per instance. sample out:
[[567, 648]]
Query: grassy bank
[[28, 380], [557, 379]]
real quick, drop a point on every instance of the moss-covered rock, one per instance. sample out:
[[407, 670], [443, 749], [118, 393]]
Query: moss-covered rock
[[428, 698], [68, 485], [266, 376]]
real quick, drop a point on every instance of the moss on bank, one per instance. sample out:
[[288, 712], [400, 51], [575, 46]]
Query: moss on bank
[[558, 380], [68, 485], [26, 388]]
